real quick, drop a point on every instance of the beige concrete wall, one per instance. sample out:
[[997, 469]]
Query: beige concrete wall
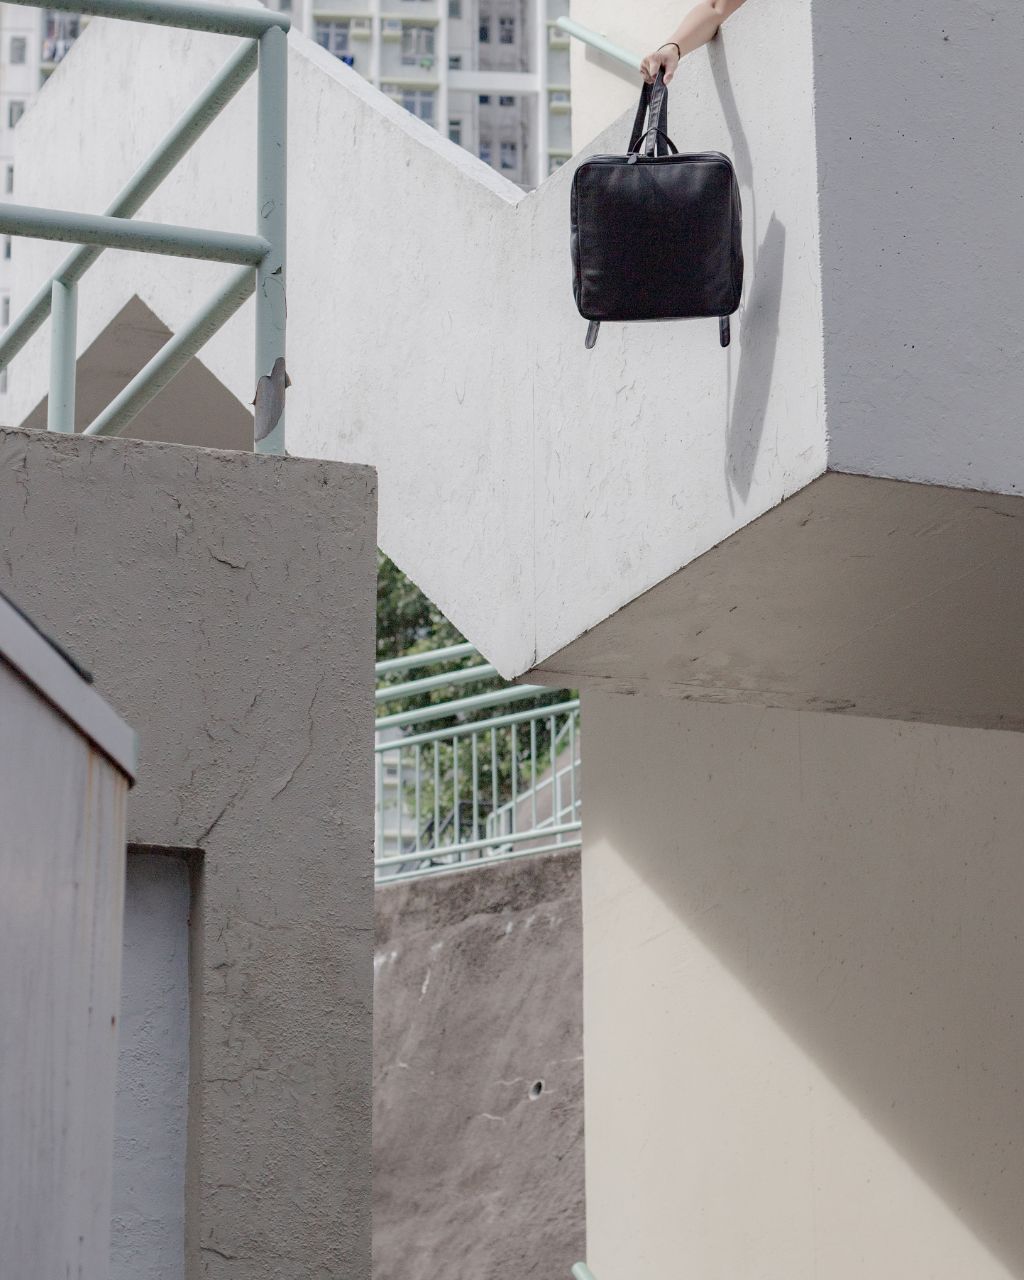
[[803, 969]]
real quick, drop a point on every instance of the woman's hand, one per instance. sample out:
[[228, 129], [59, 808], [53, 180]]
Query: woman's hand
[[666, 58]]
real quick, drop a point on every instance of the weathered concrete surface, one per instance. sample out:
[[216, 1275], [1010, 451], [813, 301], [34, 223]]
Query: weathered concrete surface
[[478, 1001], [147, 1237], [225, 602], [860, 595]]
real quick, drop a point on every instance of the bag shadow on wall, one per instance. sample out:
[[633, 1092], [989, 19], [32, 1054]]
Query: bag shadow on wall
[[760, 328], [760, 311]]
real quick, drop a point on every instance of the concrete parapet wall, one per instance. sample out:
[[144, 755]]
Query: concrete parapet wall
[[225, 604], [528, 486]]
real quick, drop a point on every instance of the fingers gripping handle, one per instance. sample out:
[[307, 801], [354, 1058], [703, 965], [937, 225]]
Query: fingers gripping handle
[[653, 98]]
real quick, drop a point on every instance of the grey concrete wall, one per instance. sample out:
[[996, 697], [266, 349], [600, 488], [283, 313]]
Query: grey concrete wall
[[804, 964], [225, 602], [147, 1238], [478, 1075]]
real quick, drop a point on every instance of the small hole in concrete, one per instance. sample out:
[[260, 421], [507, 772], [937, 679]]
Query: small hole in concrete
[[537, 1090]]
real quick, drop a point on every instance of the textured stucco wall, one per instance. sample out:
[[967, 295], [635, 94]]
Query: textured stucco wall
[[225, 602], [430, 307], [803, 964], [478, 999], [150, 1116]]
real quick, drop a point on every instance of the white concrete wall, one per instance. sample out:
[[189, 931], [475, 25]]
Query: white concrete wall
[[530, 487], [803, 965], [922, 183], [148, 1207]]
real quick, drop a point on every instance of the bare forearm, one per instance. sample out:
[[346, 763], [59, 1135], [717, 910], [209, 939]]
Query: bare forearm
[[701, 24], [698, 27]]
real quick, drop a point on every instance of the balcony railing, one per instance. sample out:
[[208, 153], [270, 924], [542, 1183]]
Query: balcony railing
[[260, 258], [472, 780]]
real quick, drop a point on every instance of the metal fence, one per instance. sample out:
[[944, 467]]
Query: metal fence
[[475, 779], [260, 258]]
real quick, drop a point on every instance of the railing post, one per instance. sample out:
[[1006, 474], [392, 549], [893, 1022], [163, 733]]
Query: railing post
[[271, 221], [60, 411]]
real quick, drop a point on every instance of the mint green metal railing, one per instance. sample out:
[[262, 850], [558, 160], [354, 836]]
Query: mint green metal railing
[[599, 42], [261, 257], [582, 1272], [453, 792]]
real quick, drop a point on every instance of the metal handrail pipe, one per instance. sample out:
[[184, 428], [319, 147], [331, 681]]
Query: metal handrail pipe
[[582, 1272], [474, 846], [428, 659], [221, 19], [146, 179], [467, 675], [447, 868], [461, 705], [127, 233], [174, 355], [599, 42], [476, 726]]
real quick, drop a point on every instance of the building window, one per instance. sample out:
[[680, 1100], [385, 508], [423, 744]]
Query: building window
[[485, 152], [455, 62], [417, 45], [455, 132], [484, 99], [333, 36], [506, 100], [506, 29], [420, 102], [19, 49], [7, 248], [9, 179], [5, 311], [60, 34], [454, 8], [485, 31], [15, 110], [509, 155]]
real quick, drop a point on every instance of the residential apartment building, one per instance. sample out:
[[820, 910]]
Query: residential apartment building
[[492, 74]]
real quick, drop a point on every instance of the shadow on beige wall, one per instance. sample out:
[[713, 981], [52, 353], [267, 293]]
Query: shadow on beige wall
[[863, 881]]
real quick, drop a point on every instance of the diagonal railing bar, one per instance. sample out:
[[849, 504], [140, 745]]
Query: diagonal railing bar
[[127, 233], [221, 19], [147, 178], [599, 42], [262, 256], [173, 356]]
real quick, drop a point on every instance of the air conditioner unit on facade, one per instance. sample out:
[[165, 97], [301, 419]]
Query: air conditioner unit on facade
[[391, 28], [360, 28]]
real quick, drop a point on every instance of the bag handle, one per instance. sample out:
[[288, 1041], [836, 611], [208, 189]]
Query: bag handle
[[653, 98], [652, 143]]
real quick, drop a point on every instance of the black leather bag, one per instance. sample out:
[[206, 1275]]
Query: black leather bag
[[656, 235]]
